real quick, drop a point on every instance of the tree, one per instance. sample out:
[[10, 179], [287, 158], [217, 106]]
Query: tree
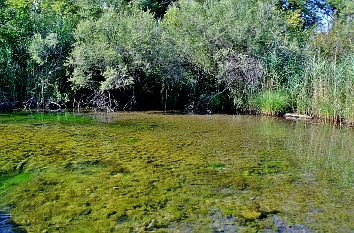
[[229, 47], [53, 23], [157, 7], [15, 28], [115, 51]]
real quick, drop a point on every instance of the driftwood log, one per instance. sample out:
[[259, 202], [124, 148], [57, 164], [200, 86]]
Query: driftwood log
[[294, 116]]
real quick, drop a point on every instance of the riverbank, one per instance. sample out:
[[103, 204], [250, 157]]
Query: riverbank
[[287, 116]]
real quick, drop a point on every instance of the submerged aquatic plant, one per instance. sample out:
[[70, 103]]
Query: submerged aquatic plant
[[144, 172]]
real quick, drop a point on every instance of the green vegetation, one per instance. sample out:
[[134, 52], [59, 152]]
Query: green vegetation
[[272, 102], [331, 97], [169, 173], [7, 182], [194, 55], [217, 166], [45, 118]]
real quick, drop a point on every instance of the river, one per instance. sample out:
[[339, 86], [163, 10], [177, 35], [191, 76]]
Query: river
[[150, 172]]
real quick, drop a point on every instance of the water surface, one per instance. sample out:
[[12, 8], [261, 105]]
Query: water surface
[[144, 172]]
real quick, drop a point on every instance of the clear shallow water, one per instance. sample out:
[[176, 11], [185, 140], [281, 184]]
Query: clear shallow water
[[136, 172]]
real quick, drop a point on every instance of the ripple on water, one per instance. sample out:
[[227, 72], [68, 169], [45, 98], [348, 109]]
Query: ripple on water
[[5, 223]]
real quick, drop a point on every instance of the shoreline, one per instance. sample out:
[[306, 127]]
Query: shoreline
[[286, 116]]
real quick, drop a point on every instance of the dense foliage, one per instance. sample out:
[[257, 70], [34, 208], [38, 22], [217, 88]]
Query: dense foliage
[[226, 55]]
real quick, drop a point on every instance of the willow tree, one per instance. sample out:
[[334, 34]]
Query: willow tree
[[114, 52], [229, 48]]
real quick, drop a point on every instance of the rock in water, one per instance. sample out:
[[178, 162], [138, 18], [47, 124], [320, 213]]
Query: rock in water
[[284, 228], [294, 116], [221, 223]]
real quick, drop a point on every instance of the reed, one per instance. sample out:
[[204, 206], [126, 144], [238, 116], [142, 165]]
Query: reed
[[327, 90]]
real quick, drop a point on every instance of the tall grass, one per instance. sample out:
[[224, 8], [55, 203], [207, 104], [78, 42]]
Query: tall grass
[[326, 90], [272, 102]]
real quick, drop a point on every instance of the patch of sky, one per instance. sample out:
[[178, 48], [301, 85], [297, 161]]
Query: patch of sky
[[315, 12]]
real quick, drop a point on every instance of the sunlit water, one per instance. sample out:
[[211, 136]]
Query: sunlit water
[[145, 172]]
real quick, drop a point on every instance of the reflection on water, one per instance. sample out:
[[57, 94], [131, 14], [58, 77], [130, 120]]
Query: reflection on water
[[131, 172]]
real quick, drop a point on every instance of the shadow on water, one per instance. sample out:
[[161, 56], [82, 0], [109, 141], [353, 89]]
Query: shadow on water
[[7, 225]]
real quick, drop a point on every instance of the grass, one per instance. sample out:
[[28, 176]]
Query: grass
[[272, 102], [144, 173]]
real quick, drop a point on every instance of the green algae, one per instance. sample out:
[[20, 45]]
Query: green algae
[[43, 118], [6, 182], [141, 172], [217, 166]]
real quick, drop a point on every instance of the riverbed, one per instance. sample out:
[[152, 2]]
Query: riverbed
[[150, 172]]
